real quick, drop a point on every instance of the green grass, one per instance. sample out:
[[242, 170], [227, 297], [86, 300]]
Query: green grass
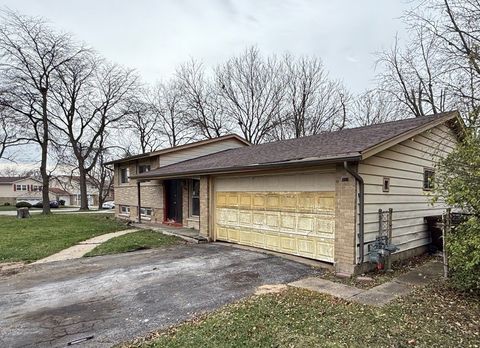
[[431, 317], [134, 241], [40, 236]]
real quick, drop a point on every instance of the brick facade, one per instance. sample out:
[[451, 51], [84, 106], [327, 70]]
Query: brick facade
[[204, 206], [345, 221], [126, 194]]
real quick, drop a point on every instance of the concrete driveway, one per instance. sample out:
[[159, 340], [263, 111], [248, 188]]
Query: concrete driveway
[[120, 297]]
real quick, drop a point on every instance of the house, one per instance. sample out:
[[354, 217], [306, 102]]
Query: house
[[316, 197], [182, 196], [71, 184], [26, 189]]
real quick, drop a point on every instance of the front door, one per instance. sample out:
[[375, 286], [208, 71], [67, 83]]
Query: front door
[[173, 197]]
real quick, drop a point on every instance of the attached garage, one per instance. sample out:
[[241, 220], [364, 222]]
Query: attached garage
[[289, 213], [319, 196]]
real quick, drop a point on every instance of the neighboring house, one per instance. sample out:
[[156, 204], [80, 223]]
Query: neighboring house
[[71, 184], [316, 197], [26, 189]]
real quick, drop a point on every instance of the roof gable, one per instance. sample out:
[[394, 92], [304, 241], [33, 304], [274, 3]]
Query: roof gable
[[182, 147]]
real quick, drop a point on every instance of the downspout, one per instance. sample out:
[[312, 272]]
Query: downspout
[[361, 197], [139, 202]]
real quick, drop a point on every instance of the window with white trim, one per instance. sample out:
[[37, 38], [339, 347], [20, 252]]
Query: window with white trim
[[124, 210], [146, 212], [20, 187]]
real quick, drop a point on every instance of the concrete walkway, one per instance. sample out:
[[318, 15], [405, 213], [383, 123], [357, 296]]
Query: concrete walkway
[[77, 251], [379, 295]]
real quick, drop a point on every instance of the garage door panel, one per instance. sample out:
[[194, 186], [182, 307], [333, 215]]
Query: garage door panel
[[298, 223]]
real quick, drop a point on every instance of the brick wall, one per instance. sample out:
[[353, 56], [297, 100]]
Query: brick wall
[[204, 206], [345, 221]]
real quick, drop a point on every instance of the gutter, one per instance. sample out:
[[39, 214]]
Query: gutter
[[246, 169], [361, 197]]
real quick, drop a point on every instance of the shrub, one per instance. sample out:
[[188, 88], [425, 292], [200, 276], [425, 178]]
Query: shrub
[[38, 205], [6, 204], [458, 183], [23, 205], [463, 246], [61, 202]]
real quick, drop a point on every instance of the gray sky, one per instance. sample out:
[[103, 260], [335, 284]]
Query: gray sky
[[155, 36]]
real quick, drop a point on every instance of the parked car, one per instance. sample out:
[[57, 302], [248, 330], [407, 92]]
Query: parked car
[[53, 204], [108, 205]]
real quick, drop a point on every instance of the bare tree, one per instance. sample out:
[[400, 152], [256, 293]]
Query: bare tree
[[412, 75], [314, 103], [252, 90], [372, 107], [101, 176], [166, 103], [93, 96], [144, 123], [30, 52], [202, 108], [10, 135]]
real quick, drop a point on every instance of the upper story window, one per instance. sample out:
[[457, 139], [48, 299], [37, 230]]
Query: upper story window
[[428, 178], [143, 168], [124, 175], [20, 187], [36, 188]]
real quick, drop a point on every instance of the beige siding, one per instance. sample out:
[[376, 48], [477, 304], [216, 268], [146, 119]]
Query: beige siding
[[404, 165], [198, 151]]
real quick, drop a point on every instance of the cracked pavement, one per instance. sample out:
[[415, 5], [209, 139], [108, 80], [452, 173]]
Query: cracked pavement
[[120, 297]]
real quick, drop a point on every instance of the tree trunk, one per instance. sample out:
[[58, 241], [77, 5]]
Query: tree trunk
[[83, 188], [43, 164]]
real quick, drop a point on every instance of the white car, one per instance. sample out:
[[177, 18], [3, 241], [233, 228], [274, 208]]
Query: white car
[[108, 205]]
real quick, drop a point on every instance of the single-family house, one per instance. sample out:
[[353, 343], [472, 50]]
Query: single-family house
[[317, 197], [26, 189]]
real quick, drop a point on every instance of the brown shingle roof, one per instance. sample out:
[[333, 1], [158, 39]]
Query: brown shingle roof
[[344, 144], [11, 179]]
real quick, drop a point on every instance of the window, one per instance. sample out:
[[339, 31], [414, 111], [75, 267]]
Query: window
[[147, 212], [36, 188], [386, 185], [125, 210], [21, 187], [143, 168], [124, 175], [428, 178], [195, 197]]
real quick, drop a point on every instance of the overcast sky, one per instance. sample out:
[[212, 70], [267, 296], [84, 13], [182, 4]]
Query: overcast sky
[[155, 36]]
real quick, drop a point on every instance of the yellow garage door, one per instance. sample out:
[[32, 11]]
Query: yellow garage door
[[298, 223]]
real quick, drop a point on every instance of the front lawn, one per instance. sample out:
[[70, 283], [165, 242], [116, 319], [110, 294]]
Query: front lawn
[[430, 317], [134, 241], [37, 237]]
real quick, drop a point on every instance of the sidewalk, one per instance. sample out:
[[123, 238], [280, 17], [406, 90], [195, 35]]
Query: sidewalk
[[77, 251], [379, 295]]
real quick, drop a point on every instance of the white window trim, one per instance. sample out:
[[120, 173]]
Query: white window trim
[[144, 215], [124, 213]]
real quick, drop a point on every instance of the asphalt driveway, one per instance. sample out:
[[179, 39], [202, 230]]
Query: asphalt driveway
[[120, 297]]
